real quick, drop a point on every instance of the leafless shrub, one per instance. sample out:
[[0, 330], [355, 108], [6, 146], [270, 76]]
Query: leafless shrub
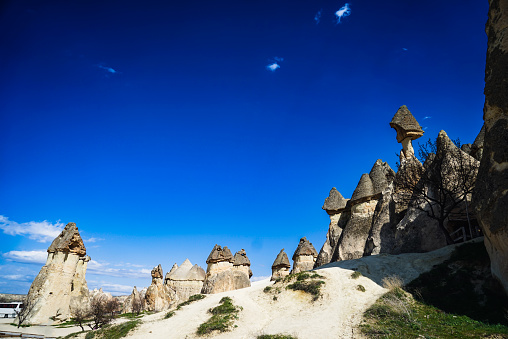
[[24, 313], [392, 282], [102, 311]]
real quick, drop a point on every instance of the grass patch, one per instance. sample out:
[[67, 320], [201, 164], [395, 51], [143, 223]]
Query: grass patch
[[275, 336], [113, 332], [312, 287], [71, 335], [191, 299], [169, 314], [131, 315], [403, 317], [356, 275], [222, 318], [360, 288], [267, 289], [464, 285]]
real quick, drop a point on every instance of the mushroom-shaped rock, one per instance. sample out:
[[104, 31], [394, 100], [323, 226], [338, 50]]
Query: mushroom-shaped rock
[[242, 262], [241, 259], [335, 201], [364, 189], [281, 266], [219, 254], [69, 241], [406, 125], [304, 257]]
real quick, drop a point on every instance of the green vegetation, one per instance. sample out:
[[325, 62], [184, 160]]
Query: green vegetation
[[275, 336], [71, 335], [191, 299], [113, 332], [169, 314], [360, 288], [132, 315], [463, 285], [22, 325], [222, 318], [267, 289], [312, 287], [356, 275], [456, 299]]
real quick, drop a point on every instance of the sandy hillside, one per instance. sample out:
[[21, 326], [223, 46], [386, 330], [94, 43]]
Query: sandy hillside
[[334, 315]]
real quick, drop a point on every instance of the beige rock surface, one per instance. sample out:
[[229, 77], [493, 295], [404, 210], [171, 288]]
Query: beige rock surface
[[280, 266], [186, 280], [159, 296], [304, 257], [61, 281]]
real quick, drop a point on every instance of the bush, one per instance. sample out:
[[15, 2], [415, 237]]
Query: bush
[[356, 275], [311, 287], [222, 318], [360, 288], [191, 299], [169, 314], [267, 289]]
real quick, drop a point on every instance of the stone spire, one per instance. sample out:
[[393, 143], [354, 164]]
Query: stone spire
[[407, 129], [69, 241], [364, 189], [281, 266], [219, 254]]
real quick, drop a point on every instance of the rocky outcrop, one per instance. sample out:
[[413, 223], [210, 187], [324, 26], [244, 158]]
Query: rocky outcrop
[[185, 280], [159, 297], [135, 301], [335, 206], [61, 282], [281, 266], [304, 257], [221, 276], [491, 191], [362, 209]]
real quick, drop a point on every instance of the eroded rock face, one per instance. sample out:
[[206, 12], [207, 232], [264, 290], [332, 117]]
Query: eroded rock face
[[221, 275], [242, 263], [304, 257], [135, 301], [491, 190], [61, 282], [281, 266], [186, 280], [159, 297]]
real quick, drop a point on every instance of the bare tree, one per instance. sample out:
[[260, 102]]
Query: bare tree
[[25, 312], [100, 312], [444, 182], [81, 314], [137, 304]]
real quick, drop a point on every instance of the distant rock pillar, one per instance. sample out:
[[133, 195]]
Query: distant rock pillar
[[491, 190], [281, 266], [304, 257]]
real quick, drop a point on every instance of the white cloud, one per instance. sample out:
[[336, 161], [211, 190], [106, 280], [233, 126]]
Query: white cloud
[[317, 17], [427, 117], [272, 67], [116, 288], [108, 69], [254, 279], [34, 257], [343, 12], [16, 277], [42, 231], [103, 268], [92, 239]]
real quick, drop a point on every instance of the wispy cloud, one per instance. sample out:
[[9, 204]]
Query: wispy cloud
[[92, 239], [16, 277], [405, 49], [104, 268], [115, 289], [32, 257], [42, 231], [274, 64], [317, 17], [108, 69], [344, 11], [254, 279], [427, 117]]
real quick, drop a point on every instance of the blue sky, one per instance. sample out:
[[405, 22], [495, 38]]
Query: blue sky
[[162, 128]]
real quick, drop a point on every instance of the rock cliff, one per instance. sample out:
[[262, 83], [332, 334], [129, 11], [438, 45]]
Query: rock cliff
[[491, 191]]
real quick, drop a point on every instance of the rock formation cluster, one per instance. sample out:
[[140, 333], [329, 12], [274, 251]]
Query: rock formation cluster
[[60, 284], [225, 272], [159, 296], [491, 191], [185, 280], [378, 219]]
